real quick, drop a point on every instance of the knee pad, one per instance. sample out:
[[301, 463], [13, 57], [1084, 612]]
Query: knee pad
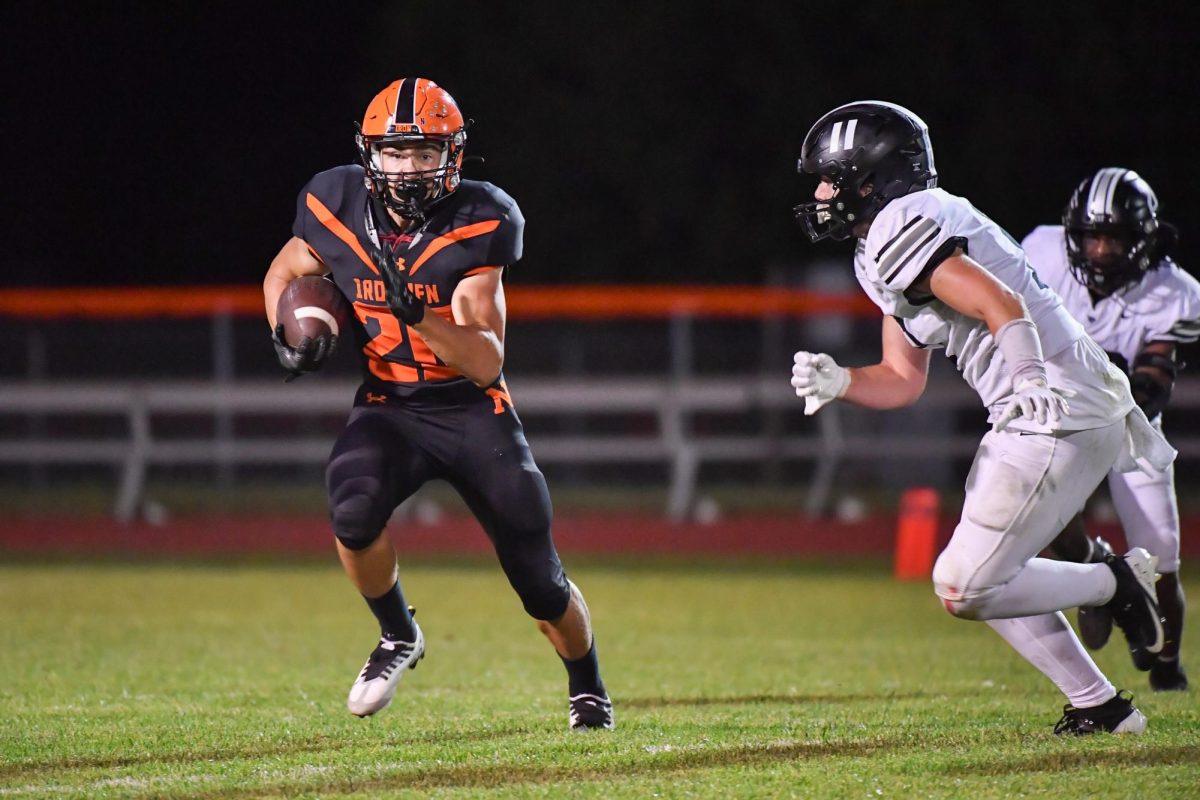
[[356, 521], [536, 574], [959, 599], [545, 600]]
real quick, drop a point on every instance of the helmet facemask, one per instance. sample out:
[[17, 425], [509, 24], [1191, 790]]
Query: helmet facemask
[[411, 194], [836, 217], [1119, 204]]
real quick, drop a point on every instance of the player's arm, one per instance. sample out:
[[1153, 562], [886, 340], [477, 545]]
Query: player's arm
[[293, 261], [1153, 376], [473, 343], [961, 283], [896, 381]]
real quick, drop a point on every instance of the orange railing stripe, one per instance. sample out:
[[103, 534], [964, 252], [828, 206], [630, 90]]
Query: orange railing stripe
[[524, 302]]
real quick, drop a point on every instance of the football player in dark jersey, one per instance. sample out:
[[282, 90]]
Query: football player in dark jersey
[[420, 253]]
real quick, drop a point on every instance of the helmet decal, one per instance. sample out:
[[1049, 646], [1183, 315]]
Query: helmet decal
[[1115, 202]]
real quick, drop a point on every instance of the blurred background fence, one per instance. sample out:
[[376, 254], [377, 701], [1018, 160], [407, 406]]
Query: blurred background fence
[[671, 400]]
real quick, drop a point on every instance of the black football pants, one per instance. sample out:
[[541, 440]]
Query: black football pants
[[391, 446]]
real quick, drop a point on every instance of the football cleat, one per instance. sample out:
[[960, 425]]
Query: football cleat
[[1133, 605], [1095, 626], [591, 711], [1118, 715], [1096, 622], [376, 684], [1168, 676]]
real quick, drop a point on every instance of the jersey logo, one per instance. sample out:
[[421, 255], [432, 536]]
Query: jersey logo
[[500, 396], [376, 398], [847, 140]]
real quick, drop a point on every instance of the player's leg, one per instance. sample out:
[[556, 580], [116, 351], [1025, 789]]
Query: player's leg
[[1020, 493], [1148, 511], [1074, 544], [372, 469], [1095, 706], [496, 475]]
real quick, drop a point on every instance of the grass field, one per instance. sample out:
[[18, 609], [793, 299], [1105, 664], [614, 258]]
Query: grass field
[[733, 679]]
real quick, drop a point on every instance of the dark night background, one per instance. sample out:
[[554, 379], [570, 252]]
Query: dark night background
[[149, 144]]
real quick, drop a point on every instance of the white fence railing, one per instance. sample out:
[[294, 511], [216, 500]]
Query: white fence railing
[[823, 440]]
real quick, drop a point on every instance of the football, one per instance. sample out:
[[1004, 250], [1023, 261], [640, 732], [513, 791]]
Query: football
[[311, 306]]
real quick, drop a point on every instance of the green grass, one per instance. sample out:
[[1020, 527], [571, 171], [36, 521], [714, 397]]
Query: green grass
[[739, 679]]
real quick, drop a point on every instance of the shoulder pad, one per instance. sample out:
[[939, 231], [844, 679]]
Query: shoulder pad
[[903, 239]]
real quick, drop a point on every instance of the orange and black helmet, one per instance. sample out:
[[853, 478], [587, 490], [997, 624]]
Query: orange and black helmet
[[412, 110]]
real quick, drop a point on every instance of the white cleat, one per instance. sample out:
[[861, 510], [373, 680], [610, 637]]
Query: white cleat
[[376, 684]]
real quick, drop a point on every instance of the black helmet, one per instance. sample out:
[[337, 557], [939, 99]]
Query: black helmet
[[868, 142], [1115, 202]]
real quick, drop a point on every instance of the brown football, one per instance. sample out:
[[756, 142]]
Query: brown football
[[312, 306]]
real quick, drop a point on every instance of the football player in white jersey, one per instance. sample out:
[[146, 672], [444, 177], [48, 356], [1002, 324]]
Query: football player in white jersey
[[1110, 263], [944, 275]]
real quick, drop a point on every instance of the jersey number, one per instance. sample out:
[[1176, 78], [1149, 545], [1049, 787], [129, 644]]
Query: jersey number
[[388, 345]]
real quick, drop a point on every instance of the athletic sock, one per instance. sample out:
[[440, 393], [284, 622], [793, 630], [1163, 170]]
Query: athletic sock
[[1047, 642], [583, 674], [395, 620]]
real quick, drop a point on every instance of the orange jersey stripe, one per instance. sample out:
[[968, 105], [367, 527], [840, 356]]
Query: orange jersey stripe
[[479, 270], [339, 229], [456, 235]]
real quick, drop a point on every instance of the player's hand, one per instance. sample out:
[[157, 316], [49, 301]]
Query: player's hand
[[818, 379], [405, 306], [1036, 401], [307, 356]]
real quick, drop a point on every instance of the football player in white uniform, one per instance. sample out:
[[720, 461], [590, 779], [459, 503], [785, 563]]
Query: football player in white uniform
[[1110, 263], [944, 275]]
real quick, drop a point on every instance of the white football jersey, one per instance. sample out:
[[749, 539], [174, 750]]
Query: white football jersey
[[919, 231], [1162, 307]]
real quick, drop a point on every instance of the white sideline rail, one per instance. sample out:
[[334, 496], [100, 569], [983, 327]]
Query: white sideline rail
[[821, 439]]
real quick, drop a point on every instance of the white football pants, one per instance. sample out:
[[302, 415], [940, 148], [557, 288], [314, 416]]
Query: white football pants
[[1021, 491], [1149, 513]]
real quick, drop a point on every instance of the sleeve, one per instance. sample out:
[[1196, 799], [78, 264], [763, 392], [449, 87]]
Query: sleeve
[[507, 242], [302, 213], [909, 244], [1182, 325], [1045, 248]]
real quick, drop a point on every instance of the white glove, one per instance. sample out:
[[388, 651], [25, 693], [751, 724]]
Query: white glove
[[1033, 399], [818, 379]]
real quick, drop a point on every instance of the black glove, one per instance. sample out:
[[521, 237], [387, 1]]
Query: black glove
[[405, 306], [308, 356]]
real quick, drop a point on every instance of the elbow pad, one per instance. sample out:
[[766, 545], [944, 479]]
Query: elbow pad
[[1151, 395]]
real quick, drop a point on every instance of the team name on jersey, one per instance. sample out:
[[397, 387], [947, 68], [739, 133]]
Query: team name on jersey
[[372, 289]]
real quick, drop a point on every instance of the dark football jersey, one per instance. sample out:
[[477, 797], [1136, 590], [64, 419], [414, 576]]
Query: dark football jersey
[[477, 228]]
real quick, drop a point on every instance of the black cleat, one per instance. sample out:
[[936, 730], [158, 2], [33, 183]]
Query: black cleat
[[1142, 658], [1096, 622], [1118, 715], [1133, 605], [591, 711], [1168, 676], [1095, 626]]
